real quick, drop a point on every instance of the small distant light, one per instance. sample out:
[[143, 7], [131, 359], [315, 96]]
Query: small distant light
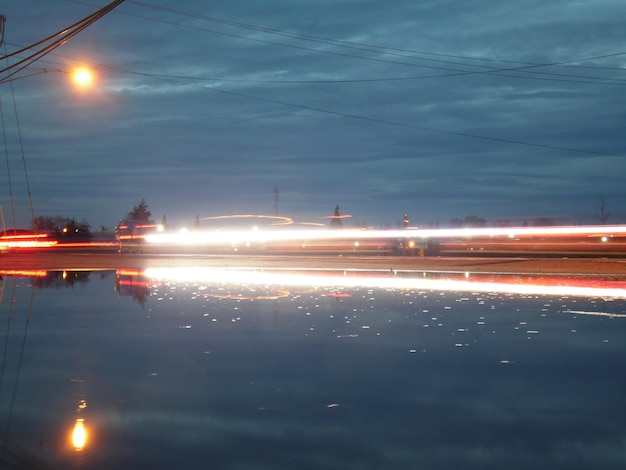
[[605, 239]]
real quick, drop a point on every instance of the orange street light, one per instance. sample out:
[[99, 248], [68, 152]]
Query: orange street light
[[83, 77]]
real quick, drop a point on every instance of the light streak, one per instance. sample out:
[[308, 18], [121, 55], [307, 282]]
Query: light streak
[[23, 273], [89, 244], [214, 237], [596, 314], [26, 244], [348, 279], [37, 240], [280, 294], [279, 220], [24, 237], [342, 216]]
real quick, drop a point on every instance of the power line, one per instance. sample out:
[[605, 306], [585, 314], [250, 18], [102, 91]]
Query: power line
[[384, 49], [355, 116], [486, 70], [392, 123], [53, 41], [177, 79], [354, 44], [618, 82]]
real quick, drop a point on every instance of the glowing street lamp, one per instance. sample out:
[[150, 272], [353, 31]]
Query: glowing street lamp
[[83, 77]]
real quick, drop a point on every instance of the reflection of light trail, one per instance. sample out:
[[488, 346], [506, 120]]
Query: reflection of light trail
[[280, 294], [264, 236], [596, 314], [23, 273], [309, 278]]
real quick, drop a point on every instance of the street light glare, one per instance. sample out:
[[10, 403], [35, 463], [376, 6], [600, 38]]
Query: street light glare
[[83, 77]]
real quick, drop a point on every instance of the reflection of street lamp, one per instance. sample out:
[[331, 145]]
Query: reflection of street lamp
[[79, 435], [79, 431]]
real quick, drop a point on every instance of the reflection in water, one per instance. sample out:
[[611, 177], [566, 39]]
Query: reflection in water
[[79, 432], [51, 279], [130, 282], [331, 369], [137, 283], [526, 285], [596, 314], [79, 435], [11, 454]]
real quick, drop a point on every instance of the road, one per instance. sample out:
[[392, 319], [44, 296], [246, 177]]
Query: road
[[49, 260]]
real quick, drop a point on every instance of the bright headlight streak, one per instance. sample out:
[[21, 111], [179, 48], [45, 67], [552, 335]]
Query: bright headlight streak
[[261, 236], [306, 279], [26, 244]]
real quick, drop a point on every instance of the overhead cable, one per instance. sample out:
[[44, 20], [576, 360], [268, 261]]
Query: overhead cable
[[51, 42]]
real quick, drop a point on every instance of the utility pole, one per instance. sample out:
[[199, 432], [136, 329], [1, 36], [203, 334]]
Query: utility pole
[[4, 229], [276, 199], [3, 18]]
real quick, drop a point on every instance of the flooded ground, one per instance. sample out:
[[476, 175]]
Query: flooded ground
[[317, 369]]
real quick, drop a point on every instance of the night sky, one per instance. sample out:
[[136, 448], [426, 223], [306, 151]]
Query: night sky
[[507, 110]]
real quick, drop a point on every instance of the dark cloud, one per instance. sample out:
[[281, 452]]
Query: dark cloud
[[438, 109]]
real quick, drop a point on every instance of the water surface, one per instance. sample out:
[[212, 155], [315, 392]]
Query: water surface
[[171, 371]]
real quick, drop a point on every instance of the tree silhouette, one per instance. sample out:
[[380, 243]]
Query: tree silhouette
[[140, 213], [469, 221], [60, 227], [543, 221]]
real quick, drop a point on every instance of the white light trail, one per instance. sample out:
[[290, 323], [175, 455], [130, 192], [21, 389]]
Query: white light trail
[[213, 237], [596, 314]]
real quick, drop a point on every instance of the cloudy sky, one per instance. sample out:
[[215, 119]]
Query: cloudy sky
[[504, 109]]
